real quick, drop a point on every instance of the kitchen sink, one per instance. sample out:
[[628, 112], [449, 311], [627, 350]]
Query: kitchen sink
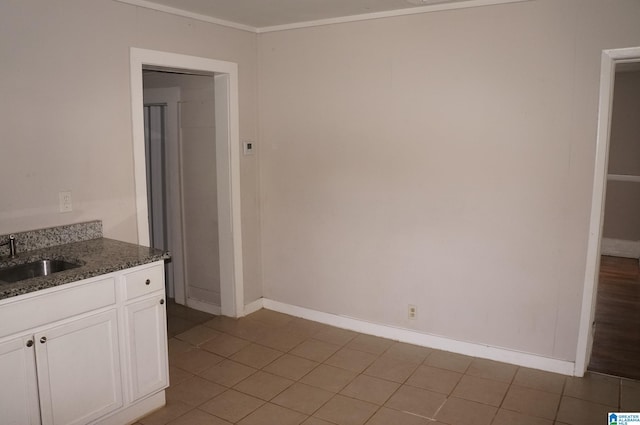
[[35, 269]]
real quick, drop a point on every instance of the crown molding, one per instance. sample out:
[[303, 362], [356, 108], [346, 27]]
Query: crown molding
[[186, 14], [329, 21], [388, 14]]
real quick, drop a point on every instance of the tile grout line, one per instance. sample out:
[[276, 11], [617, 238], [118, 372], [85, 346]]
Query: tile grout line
[[294, 381], [564, 386]]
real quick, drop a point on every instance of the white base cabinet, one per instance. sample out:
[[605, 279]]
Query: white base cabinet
[[102, 365], [19, 389], [79, 370], [147, 339]]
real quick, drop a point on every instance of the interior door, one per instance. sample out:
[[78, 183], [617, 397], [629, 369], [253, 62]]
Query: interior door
[[155, 150]]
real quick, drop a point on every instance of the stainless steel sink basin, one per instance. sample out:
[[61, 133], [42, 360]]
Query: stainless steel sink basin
[[35, 269]]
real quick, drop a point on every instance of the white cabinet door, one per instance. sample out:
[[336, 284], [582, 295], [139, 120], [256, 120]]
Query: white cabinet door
[[18, 385], [147, 342], [79, 370]]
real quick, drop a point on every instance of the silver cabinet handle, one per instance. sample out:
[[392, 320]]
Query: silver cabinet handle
[[161, 301], [147, 282], [43, 339], [30, 343]]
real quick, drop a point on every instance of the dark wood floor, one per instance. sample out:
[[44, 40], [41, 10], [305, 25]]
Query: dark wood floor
[[616, 345]]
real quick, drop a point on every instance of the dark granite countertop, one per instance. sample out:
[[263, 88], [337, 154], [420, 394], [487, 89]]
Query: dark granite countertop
[[97, 256]]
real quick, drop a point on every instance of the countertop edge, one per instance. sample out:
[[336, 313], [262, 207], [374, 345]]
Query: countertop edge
[[97, 257]]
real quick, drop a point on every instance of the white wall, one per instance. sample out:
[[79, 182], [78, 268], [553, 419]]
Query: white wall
[[443, 160], [65, 111], [200, 197]]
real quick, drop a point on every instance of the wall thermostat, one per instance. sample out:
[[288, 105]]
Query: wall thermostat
[[249, 147]]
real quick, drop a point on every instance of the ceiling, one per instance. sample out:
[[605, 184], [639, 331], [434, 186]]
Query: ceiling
[[264, 14]]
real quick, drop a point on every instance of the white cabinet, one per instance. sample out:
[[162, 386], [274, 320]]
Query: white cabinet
[[79, 370], [147, 346], [143, 291], [18, 388], [78, 373], [90, 352]]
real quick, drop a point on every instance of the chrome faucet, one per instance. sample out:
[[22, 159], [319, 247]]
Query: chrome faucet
[[12, 246]]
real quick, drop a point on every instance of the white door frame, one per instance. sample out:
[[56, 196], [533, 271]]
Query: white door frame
[[610, 58], [227, 161]]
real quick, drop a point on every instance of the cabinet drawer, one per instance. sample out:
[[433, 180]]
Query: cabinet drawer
[[33, 312], [143, 282]]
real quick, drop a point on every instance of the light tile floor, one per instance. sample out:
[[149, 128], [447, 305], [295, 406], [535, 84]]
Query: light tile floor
[[272, 369]]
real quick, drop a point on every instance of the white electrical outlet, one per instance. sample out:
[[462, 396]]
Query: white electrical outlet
[[65, 201], [412, 311]]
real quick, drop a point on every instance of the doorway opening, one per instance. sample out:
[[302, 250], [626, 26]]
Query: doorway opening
[[181, 183], [616, 339], [187, 174], [612, 61]]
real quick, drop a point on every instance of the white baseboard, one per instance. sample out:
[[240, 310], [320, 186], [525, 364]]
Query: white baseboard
[[620, 248], [217, 310], [253, 306], [203, 306], [417, 338]]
